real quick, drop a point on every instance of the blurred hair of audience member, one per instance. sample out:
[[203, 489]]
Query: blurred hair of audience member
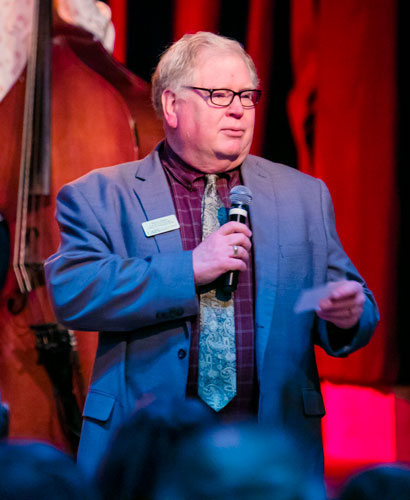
[[380, 482], [39, 471], [240, 461], [145, 443]]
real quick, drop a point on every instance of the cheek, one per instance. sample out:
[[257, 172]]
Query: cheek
[[206, 128], [250, 131], [189, 127], [251, 120]]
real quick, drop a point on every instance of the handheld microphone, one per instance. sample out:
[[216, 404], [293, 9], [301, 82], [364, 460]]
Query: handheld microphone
[[240, 198]]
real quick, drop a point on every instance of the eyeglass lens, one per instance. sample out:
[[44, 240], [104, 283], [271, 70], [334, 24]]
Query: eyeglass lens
[[224, 97]]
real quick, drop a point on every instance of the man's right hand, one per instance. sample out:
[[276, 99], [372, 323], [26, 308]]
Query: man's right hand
[[215, 255]]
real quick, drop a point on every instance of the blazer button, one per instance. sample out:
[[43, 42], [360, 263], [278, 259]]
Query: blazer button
[[181, 353]]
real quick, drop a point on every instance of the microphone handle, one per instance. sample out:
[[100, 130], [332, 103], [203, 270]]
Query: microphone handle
[[231, 278]]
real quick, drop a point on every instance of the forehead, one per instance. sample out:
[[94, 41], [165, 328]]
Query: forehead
[[219, 70]]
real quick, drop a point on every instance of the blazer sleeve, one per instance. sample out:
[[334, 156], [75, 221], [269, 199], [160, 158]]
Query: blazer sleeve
[[336, 341], [94, 288]]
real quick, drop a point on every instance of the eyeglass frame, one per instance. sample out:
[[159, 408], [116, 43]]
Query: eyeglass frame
[[234, 94]]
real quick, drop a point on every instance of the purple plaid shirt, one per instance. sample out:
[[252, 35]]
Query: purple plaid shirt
[[187, 188]]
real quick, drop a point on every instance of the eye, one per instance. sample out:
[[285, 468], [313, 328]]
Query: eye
[[247, 95], [220, 94]]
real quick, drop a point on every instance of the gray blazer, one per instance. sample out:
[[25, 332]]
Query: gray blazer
[[139, 293]]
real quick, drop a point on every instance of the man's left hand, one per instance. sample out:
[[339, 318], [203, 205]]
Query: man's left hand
[[344, 306]]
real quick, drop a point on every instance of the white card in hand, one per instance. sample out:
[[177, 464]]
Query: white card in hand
[[309, 299]]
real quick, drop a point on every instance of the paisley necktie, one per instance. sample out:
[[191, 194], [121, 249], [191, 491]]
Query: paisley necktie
[[217, 354]]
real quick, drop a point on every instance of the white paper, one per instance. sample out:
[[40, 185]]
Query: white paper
[[309, 299]]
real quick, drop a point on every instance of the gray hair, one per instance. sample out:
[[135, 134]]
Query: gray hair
[[177, 64]]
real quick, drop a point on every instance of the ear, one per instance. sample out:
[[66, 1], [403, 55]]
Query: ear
[[168, 100]]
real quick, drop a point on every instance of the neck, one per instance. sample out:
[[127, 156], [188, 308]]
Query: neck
[[210, 165]]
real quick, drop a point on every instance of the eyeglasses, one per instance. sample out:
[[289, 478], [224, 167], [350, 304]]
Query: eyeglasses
[[224, 97]]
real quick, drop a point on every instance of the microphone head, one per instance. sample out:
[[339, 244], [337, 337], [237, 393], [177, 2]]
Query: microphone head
[[240, 195]]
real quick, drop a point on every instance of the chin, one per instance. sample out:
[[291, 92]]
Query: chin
[[234, 154], [236, 146], [228, 161]]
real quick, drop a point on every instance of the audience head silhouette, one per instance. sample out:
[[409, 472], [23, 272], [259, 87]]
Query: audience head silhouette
[[239, 462], [145, 443], [38, 471], [387, 482]]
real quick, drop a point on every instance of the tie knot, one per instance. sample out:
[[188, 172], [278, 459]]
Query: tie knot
[[211, 180], [211, 204]]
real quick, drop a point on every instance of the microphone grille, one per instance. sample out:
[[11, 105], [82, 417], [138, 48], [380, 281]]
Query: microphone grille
[[240, 195]]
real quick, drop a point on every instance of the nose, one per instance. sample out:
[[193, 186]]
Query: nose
[[236, 108]]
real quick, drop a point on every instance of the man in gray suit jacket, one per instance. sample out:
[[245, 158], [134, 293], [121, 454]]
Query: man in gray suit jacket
[[132, 263]]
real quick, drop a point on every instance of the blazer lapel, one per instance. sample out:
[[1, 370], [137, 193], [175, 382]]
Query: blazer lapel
[[263, 217], [154, 195]]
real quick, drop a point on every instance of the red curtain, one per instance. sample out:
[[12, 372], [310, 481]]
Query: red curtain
[[119, 19], [259, 46], [190, 17], [344, 66]]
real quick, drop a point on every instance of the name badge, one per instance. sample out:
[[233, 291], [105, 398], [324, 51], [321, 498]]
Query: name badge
[[161, 225]]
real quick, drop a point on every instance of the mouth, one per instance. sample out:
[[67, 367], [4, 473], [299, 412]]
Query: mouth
[[233, 132]]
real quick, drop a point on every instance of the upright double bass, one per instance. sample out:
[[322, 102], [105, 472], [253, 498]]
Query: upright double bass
[[74, 109]]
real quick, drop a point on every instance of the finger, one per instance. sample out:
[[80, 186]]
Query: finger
[[353, 312], [235, 227], [346, 289], [235, 264], [335, 315], [240, 240], [329, 306], [343, 301], [239, 252]]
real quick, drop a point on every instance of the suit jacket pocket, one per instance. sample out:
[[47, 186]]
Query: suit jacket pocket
[[313, 403], [98, 406]]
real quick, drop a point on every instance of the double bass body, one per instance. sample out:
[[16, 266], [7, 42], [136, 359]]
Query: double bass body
[[100, 115]]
